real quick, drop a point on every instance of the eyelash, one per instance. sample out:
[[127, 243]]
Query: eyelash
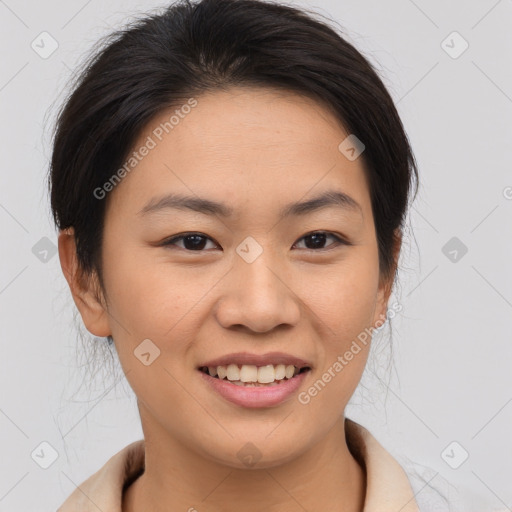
[[339, 240]]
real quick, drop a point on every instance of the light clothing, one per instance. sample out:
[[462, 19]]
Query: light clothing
[[387, 486]]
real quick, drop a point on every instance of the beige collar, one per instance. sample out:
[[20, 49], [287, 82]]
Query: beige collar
[[387, 486]]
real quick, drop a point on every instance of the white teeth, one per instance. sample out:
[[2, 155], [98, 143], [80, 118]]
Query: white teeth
[[266, 374], [280, 371], [233, 372], [221, 372], [252, 375]]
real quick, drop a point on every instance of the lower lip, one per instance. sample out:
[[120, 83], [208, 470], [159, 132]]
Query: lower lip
[[257, 396]]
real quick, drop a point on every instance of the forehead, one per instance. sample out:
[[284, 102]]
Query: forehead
[[243, 143], [245, 119]]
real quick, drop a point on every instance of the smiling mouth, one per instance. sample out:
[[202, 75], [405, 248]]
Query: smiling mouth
[[254, 376]]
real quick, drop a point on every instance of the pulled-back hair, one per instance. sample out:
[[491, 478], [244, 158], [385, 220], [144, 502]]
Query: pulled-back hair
[[191, 48]]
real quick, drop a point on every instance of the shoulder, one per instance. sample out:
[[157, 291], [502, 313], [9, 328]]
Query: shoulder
[[387, 485], [104, 489]]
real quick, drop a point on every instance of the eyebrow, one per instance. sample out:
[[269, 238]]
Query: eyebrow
[[330, 198]]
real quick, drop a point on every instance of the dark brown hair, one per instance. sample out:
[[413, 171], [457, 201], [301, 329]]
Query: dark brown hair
[[195, 47]]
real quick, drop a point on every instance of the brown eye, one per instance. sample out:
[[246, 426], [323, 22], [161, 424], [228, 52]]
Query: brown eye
[[196, 242], [317, 240], [191, 241]]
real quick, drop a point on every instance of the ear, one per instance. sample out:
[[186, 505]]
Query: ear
[[386, 283], [85, 289]]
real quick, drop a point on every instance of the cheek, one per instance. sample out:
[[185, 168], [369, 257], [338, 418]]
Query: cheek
[[352, 311], [343, 299], [342, 296], [140, 306], [151, 302], [143, 291], [344, 306]]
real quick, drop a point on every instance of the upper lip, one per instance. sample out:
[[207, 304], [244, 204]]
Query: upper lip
[[241, 358]]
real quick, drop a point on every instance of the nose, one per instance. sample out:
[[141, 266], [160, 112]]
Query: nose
[[257, 296]]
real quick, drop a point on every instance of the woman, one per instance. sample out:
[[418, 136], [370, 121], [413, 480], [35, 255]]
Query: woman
[[230, 180]]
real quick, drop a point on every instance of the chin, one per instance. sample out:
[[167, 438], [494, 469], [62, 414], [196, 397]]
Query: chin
[[255, 448]]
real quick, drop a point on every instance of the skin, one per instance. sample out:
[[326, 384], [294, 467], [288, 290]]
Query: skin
[[256, 150]]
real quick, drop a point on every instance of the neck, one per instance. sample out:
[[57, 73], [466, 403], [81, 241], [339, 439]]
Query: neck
[[176, 479]]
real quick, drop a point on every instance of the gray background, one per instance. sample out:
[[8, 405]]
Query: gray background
[[452, 351]]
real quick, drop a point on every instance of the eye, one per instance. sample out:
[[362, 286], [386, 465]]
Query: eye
[[191, 241], [197, 241], [317, 239]]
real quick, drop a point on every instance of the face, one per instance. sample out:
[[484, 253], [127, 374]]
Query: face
[[254, 275]]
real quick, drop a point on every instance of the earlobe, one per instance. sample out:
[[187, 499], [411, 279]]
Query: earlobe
[[85, 289], [386, 284], [381, 306]]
